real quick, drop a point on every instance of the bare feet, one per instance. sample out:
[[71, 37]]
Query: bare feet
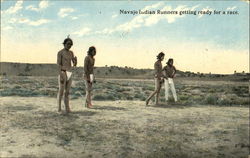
[[59, 110], [68, 111], [88, 105]]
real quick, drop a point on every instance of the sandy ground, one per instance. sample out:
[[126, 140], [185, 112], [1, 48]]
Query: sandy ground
[[31, 127]]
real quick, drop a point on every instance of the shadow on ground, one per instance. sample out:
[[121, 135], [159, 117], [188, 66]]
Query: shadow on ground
[[83, 113], [169, 105], [112, 108], [20, 108]]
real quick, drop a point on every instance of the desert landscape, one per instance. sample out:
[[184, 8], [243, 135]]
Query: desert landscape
[[202, 44], [211, 118]]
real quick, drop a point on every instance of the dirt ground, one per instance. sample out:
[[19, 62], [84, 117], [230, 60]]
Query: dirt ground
[[31, 127]]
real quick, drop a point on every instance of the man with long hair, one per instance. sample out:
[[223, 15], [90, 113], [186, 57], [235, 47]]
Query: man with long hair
[[64, 58], [158, 78], [88, 74]]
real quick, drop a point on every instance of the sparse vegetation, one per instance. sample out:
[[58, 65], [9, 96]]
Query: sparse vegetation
[[23, 69], [121, 129], [121, 119], [191, 93], [211, 100]]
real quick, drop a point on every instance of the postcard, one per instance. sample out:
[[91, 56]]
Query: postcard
[[124, 78]]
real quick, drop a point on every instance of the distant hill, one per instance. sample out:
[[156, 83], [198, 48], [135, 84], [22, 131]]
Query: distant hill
[[23, 69], [26, 69]]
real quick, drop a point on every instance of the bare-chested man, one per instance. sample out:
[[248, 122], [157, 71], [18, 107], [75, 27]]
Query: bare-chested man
[[88, 74], [158, 78], [169, 72], [64, 58]]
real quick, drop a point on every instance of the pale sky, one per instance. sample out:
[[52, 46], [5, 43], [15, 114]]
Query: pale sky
[[33, 32]]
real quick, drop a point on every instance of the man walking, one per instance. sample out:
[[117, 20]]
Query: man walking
[[158, 78]]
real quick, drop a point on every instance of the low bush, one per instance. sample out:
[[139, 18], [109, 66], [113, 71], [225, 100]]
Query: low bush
[[211, 99], [99, 97], [183, 97], [150, 88], [104, 97]]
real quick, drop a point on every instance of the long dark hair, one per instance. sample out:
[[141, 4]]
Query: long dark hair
[[161, 54], [91, 49], [66, 40], [170, 60]]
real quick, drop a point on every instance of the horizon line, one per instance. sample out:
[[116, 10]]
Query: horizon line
[[132, 68]]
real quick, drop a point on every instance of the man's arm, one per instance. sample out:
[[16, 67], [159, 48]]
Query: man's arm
[[174, 72], [164, 72], [86, 70], [74, 59], [59, 61]]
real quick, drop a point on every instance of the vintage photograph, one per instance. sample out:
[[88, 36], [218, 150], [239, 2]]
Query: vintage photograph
[[124, 79]]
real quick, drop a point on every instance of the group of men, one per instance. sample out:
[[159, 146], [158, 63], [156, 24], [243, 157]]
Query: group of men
[[65, 58], [163, 75]]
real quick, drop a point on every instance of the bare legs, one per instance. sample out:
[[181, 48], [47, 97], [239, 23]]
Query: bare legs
[[88, 86], [64, 88], [60, 92], [156, 92]]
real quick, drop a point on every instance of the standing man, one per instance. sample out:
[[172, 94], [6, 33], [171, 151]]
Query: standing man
[[158, 78], [169, 73], [64, 58], [88, 74]]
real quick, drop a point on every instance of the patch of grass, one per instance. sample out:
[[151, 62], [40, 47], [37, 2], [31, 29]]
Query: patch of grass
[[196, 99], [78, 94], [110, 97], [51, 93], [240, 101], [147, 87], [18, 92], [222, 101], [211, 99], [143, 98], [137, 92], [125, 84], [17, 87], [104, 97], [162, 92], [215, 94], [162, 100], [171, 99], [240, 91], [111, 86], [99, 97], [211, 90], [184, 97], [187, 102], [118, 95], [121, 89], [129, 98], [140, 96]]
